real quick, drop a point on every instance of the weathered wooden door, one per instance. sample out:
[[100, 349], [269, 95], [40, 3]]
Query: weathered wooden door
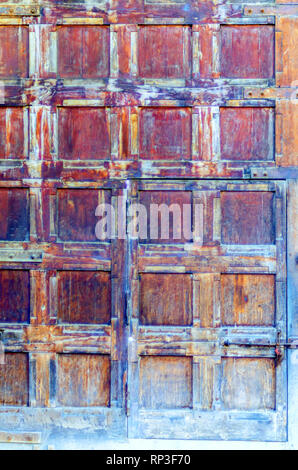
[[206, 318], [148, 102]]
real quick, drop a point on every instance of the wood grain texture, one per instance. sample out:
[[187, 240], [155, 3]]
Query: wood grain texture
[[158, 375], [287, 132], [41, 363], [84, 134], [14, 296], [14, 45], [12, 133], [76, 213], [83, 51], [84, 297], [205, 52], [292, 240], [247, 218], [165, 299], [14, 380], [165, 134], [248, 384], [164, 219], [248, 299], [286, 56], [83, 380], [14, 214], [247, 134], [247, 51], [164, 51], [206, 301], [155, 101]]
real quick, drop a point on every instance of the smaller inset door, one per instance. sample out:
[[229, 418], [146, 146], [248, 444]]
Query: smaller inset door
[[206, 313]]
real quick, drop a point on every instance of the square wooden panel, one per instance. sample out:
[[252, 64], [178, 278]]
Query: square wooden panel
[[248, 299], [84, 297], [247, 134], [165, 223], [14, 296], [84, 380], [84, 134], [165, 134], [14, 380], [76, 213], [14, 46], [12, 132], [247, 51], [164, 51], [165, 299], [83, 51], [14, 214], [161, 374], [247, 218], [248, 383]]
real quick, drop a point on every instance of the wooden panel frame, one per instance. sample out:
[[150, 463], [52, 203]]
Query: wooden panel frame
[[43, 339], [43, 257], [204, 341]]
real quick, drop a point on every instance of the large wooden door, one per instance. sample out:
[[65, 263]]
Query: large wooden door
[[146, 102]]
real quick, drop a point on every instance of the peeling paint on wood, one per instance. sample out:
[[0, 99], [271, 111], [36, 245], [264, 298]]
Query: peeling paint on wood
[[157, 102]]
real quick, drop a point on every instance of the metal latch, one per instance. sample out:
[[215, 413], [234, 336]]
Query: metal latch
[[276, 346]]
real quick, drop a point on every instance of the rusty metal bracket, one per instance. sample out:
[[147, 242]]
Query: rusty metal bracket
[[20, 437], [285, 93], [19, 10], [273, 173], [18, 256], [271, 10]]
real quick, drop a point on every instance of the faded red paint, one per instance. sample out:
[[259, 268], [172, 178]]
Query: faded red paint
[[164, 51], [83, 51], [247, 134], [165, 134], [247, 51], [164, 102], [84, 134], [12, 135], [14, 44]]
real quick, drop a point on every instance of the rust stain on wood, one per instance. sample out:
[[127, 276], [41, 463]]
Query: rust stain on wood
[[248, 299]]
